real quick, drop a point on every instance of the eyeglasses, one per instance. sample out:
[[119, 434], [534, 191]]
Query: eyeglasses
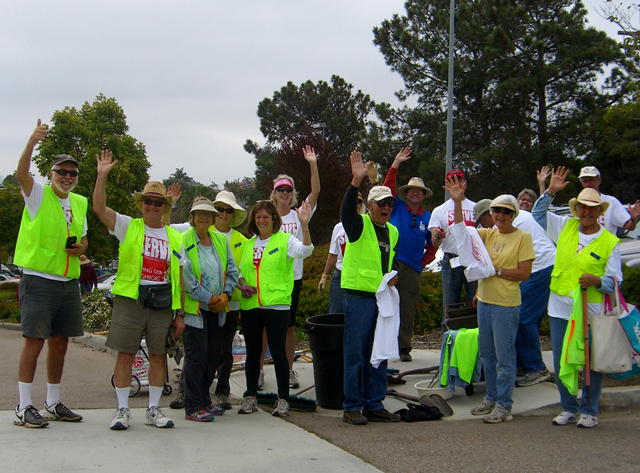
[[503, 210], [414, 217], [64, 172], [157, 203], [227, 210], [288, 190], [385, 202]]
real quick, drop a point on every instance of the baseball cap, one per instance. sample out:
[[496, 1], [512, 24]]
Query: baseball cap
[[64, 158], [378, 193], [456, 172], [589, 171]]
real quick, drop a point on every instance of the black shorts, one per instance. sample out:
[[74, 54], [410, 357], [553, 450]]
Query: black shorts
[[295, 298]]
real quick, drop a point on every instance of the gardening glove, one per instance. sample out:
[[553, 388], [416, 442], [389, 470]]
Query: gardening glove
[[219, 304], [323, 283], [247, 291]]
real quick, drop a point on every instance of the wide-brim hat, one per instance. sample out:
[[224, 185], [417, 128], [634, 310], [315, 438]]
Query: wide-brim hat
[[415, 183], [228, 198], [378, 193], [154, 189], [84, 260], [204, 204], [508, 202], [589, 197]]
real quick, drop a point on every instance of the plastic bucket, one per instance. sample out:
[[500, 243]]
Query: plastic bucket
[[325, 342]]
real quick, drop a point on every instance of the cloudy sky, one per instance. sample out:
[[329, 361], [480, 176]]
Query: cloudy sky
[[189, 75]]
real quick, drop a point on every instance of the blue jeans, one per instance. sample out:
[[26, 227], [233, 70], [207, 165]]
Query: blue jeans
[[364, 386], [496, 342], [452, 281], [568, 401], [535, 297], [336, 293]]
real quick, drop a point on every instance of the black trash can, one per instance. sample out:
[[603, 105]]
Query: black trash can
[[325, 342]]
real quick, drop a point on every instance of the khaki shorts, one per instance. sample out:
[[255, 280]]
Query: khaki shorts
[[130, 321]]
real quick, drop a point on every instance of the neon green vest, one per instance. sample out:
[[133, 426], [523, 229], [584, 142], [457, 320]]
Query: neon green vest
[[130, 265], [592, 259], [274, 279], [236, 244], [41, 241], [191, 305], [362, 263]]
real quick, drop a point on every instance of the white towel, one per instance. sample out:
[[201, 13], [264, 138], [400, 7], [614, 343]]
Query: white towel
[[473, 254], [385, 338]]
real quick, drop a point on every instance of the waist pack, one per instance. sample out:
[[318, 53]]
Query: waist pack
[[156, 297]]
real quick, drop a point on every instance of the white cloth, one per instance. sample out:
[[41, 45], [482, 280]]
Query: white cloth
[[473, 253], [442, 217], [291, 225], [616, 215], [385, 338], [338, 244], [543, 247]]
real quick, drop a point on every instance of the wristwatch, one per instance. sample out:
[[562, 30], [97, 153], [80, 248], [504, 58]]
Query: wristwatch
[[180, 312], [228, 294], [499, 272]]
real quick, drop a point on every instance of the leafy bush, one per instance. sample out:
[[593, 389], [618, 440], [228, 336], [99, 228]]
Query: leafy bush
[[631, 284], [96, 311], [9, 308]]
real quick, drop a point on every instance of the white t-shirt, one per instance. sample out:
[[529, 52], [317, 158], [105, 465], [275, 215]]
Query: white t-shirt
[[32, 204], [543, 247], [561, 306], [338, 244], [442, 216], [232, 305], [156, 252], [291, 224], [616, 215]]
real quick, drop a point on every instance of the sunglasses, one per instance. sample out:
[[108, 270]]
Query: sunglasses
[[64, 172], [414, 217], [502, 210], [288, 190], [157, 203], [225, 210], [385, 202]]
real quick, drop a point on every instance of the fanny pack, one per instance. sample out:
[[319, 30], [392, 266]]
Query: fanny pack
[[156, 297]]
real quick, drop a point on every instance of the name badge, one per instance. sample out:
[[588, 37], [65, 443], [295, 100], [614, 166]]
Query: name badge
[[595, 255], [188, 249], [176, 254], [273, 251], [237, 245]]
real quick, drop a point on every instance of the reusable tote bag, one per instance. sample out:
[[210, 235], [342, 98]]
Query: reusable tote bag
[[611, 351], [630, 322]]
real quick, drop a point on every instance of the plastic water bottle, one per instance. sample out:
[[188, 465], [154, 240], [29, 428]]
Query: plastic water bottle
[[239, 348]]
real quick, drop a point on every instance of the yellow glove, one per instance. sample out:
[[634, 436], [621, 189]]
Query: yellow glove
[[218, 304], [323, 283]]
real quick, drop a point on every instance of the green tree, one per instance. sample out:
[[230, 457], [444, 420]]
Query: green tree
[[245, 191], [190, 190], [11, 206], [83, 133], [10, 179]]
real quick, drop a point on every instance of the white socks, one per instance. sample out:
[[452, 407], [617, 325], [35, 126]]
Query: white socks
[[25, 395], [53, 394], [155, 393], [123, 397]]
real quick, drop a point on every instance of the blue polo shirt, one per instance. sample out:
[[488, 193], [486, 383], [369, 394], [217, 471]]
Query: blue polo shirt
[[412, 238]]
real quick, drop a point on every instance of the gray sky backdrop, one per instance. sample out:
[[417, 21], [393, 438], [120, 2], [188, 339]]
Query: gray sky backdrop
[[189, 75]]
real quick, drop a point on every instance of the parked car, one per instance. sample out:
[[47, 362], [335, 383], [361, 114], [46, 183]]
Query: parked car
[[630, 248], [104, 271], [107, 283]]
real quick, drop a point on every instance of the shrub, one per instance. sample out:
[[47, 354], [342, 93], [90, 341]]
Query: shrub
[[631, 285], [96, 311], [9, 308]]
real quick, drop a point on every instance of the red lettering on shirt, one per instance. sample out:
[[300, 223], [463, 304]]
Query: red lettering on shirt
[[467, 216], [155, 259], [342, 242], [289, 227], [257, 256]]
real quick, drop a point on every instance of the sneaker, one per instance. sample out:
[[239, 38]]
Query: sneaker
[[499, 414], [565, 418], [214, 410], [200, 416], [156, 418], [261, 380], [248, 406], [121, 419], [293, 379], [282, 408], [30, 417], [405, 357], [223, 402], [178, 402], [61, 412], [381, 415], [354, 417], [534, 378], [586, 421], [483, 409]]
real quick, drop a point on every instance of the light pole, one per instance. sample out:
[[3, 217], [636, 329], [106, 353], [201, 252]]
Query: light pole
[[449, 150], [319, 126]]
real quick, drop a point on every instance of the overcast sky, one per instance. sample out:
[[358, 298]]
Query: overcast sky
[[189, 75]]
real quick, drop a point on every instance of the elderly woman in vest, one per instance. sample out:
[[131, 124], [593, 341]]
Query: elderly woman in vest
[[267, 269], [498, 300], [210, 276], [589, 256]]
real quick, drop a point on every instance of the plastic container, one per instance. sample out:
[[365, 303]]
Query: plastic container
[[239, 348], [325, 342], [424, 389]]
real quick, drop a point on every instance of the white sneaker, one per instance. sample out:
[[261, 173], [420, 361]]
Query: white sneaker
[[282, 408], [156, 417], [293, 379], [248, 406], [261, 380], [565, 418], [121, 419], [586, 421]]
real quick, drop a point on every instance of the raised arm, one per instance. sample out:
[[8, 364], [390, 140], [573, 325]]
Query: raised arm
[[558, 181], [304, 214], [22, 172], [106, 215], [174, 191], [634, 211], [542, 178], [312, 159], [456, 190]]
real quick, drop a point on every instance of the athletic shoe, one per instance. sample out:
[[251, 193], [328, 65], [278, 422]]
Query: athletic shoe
[[261, 380], [156, 418], [282, 408], [223, 402], [248, 406], [178, 402], [121, 419], [354, 417], [214, 410], [405, 357], [293, 379], [534, 378], [61, 412], [586, 421], [499, 414], [30, 417], [486, 407], [381, 415], [565, 418], [200, 416]]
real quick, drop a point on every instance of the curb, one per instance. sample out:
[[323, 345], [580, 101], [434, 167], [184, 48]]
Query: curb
[[8, 326], [97, 342]]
